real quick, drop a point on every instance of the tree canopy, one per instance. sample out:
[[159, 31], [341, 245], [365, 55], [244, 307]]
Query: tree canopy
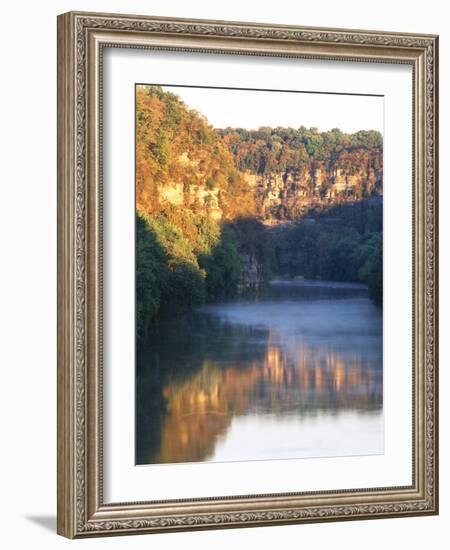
[[276, 150]]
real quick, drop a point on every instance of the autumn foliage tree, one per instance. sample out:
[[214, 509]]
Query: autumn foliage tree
[[177, 148], [276, 150]]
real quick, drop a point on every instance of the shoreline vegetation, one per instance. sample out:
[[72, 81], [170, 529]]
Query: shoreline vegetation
[[223, 211]]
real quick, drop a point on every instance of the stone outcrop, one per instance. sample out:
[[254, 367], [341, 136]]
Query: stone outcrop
[[251, 275], [196, 197], [289, 195]]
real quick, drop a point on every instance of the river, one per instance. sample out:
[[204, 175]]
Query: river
[[294, 373]]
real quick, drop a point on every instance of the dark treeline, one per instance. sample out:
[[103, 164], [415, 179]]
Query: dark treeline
[[184, 259], [277, 150], [343, 243]]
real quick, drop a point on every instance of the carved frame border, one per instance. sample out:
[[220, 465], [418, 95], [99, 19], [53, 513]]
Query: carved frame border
[[81, 37]]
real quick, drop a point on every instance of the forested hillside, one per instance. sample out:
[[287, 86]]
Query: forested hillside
[[295, 170], [277, 150], [181, 160], [196, 232], [205, 196]]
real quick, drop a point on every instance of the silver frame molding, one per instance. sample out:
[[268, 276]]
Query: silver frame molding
[[81, 39]]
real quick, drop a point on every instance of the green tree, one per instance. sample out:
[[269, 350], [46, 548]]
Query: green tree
[[151, 274]]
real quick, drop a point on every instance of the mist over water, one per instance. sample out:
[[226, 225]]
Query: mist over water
[[294, 373]]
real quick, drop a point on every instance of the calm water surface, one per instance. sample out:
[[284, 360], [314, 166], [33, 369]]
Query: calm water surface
[[294, 373]]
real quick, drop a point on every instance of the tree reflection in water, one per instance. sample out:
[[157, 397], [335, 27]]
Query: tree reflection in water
[[199, 372]]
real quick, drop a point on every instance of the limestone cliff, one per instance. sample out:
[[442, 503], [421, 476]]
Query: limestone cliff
[[294, 193], [275, 174]]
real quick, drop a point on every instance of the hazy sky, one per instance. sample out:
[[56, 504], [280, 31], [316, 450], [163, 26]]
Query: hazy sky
[[252, 109]]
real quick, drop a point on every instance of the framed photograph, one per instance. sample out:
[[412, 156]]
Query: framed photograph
[[247, 274]]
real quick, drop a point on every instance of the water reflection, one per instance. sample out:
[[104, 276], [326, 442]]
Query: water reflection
[[296, 373]]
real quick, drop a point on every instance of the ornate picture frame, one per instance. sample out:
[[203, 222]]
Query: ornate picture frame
[[82, 39]]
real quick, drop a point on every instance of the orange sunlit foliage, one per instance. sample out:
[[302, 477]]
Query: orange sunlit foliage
[[181, 160]]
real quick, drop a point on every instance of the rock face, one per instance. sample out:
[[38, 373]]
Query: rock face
[[196, 197], [251, 275], [290, 195]]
